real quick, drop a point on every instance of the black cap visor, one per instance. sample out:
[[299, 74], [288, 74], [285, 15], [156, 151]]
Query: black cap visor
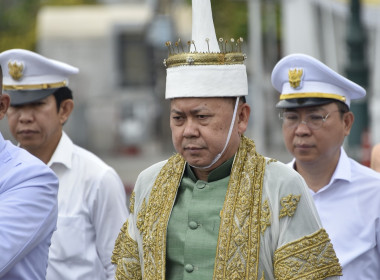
[[302, 102], [21, 97]]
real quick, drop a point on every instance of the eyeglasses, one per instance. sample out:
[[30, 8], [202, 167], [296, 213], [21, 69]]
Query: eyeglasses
[[313, 121]]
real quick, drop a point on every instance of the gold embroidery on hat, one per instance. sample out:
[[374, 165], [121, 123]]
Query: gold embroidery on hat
[[15, 70], [295, 77], [230, 54]]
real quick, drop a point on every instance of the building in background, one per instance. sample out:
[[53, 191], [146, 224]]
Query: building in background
[[120, 111]]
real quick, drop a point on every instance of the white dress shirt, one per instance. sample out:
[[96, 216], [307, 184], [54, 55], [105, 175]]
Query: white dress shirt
[[349, 208], [91, 210]]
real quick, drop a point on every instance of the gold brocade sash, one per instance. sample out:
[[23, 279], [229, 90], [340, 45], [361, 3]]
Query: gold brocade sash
[[239, 233]]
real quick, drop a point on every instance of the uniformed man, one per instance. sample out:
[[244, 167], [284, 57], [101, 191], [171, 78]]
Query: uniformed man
[[315, 110], [28, 209], [218, 209], [91, 200]]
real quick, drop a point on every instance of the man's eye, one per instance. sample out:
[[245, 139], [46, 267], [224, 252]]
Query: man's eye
[[291, 117], [202, 116], [315, 117]]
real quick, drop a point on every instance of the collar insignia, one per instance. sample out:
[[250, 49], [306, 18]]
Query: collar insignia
[[15, 69], [295, 76]]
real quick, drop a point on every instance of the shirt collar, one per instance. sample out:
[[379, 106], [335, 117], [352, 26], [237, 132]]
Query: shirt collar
[[342, 170], [218, 173], [63, 152]]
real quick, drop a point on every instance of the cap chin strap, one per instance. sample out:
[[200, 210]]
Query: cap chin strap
[[218, 156]]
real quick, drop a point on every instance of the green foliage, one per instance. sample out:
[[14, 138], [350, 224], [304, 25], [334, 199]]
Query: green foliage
[[18, 21], [230, 18]]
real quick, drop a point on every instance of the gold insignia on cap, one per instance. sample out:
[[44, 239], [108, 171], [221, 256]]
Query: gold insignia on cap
[[295, 77], [15, 70]]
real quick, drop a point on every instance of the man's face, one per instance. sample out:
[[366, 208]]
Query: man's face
[[36, 126], [310, 145], [200, 127]]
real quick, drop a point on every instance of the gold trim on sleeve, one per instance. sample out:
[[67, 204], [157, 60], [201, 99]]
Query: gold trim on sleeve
[[311, 258], [126, 256]]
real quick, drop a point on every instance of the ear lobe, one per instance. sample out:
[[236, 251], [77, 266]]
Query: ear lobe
[[65, 109], [243, 117], [4, 104]]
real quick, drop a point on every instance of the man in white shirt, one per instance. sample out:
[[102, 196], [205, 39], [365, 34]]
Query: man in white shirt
[[28, 207], [91, 198], [315, 110]]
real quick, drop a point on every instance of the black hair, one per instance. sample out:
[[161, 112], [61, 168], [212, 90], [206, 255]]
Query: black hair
[[62, 94], [342, 107]]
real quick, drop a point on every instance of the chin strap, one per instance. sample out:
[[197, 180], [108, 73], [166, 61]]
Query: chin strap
[[227, 141]]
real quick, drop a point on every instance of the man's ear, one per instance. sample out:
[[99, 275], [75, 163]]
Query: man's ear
[[348, 120], [4, 104], [65, 110], [243, 116]]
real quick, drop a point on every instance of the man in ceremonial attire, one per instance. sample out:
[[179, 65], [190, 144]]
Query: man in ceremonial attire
[[315, 110], [218, 209]]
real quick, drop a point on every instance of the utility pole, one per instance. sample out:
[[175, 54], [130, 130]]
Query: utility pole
[[357, 71]]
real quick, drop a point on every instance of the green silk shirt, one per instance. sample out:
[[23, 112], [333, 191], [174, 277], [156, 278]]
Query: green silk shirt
[[194, 224]]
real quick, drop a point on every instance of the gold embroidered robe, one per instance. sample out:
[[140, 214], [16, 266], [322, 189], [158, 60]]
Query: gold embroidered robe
[[269, 226]]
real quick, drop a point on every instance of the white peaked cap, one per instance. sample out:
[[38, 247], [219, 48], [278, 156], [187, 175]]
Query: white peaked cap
[[29, 77], [304, 81], [205, 71]]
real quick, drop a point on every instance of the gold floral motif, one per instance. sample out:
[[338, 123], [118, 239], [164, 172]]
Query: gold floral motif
[[154, 216], [239, 233], [126, 256], [310, 258], [262, 276], [289, 205], [265, 219], [132, 203]]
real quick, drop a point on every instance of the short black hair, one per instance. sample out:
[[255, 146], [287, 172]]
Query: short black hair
[[62, 94]]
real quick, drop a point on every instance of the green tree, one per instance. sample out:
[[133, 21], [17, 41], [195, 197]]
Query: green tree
[[18, 21]]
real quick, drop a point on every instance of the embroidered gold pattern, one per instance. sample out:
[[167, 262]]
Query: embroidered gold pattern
[[271, 160], [15, 70], [295, 76], [132, 203], [310, 258], [262, 276], [239, 233], [265, 219], [154, 216], [289, 205], [126, 256]]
